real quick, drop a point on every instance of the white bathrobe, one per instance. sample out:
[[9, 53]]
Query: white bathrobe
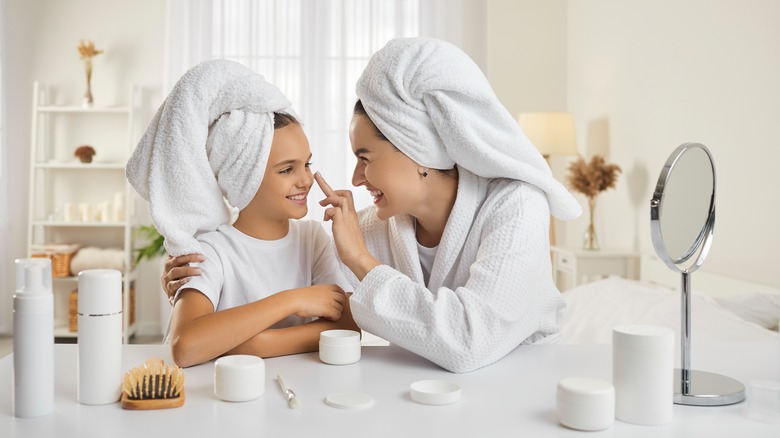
[[490, 288]]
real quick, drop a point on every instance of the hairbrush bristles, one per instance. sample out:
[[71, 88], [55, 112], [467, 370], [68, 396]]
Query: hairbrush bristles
[[154, 385]]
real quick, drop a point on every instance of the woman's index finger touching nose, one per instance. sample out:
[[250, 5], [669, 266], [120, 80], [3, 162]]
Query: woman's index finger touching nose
[[323, 185]]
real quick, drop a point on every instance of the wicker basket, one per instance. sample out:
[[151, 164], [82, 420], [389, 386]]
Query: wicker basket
[[73, 309], [60, 256]]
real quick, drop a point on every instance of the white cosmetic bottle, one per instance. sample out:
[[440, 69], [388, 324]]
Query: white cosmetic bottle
[[642, 373], [33, 394], [100, 336]]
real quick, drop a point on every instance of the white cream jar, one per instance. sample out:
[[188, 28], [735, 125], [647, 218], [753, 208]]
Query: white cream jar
[[586, 404], [339, 347], [239, 378]]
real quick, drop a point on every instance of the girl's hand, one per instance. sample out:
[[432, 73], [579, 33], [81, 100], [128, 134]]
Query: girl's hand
[[177, 273], [320, 301], [346, 229]]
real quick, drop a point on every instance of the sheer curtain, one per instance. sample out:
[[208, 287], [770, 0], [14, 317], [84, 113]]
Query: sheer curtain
[[313, 50], [5, 228]]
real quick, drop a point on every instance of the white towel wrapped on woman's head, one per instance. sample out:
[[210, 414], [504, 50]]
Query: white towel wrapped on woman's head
[[435, 105], [210, 138]]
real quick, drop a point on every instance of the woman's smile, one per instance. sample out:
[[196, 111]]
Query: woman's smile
[[377, 195]]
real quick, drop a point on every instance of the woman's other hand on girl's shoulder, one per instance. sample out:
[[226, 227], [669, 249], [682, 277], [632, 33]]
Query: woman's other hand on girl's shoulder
[[177, 272]]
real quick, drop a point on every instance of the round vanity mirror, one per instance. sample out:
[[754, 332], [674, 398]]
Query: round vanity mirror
[[682, 213], [682, 219]]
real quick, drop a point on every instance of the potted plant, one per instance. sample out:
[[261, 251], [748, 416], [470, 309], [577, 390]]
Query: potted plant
[[85, 153], [155, 247]]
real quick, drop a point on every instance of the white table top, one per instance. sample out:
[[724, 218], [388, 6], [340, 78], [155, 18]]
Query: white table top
[[514, 397]]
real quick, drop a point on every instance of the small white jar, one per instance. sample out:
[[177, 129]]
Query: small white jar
[[586, 404], [239, 378], [339, 347]]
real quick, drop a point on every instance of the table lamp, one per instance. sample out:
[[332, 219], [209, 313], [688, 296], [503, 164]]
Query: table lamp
[[552, 133]]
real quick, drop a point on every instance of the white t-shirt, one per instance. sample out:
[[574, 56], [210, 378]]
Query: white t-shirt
[[240, 269], [427, 256]]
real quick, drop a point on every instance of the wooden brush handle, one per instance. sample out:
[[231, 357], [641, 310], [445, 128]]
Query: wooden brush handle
[[154, 403]]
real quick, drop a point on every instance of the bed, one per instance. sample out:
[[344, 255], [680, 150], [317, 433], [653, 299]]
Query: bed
[[723, 309]]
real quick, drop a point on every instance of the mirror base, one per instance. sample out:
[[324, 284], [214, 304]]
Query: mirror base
[[707, 389]]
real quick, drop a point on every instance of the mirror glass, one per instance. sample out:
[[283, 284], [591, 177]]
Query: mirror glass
[[683, 207]]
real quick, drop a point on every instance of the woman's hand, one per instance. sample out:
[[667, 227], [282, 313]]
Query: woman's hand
[[320, 301], [177, 273], [346, 229]]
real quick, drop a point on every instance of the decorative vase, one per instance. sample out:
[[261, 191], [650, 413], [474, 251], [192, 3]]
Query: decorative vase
[[88, 95], [590, 240]]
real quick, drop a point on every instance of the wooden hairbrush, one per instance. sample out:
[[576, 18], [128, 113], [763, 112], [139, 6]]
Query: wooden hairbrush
[[154, 385]]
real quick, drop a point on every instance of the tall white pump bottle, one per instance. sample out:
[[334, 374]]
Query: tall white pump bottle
[[33, 392]]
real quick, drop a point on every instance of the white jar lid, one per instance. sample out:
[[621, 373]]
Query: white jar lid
[[349, 400], [340, 337], [100, 292], [434, 392], [642, 337], [584, 390]]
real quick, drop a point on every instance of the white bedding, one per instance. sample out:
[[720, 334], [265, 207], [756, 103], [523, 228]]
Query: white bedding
[[594, 308]]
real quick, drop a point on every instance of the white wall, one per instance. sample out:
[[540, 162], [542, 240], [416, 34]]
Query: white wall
[[526, 54], [41, 40], [644, 77]]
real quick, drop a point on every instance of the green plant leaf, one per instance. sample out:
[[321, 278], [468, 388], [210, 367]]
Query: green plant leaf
[[155, 247]]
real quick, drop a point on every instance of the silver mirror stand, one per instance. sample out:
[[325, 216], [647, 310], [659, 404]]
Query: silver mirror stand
[[691, 387]]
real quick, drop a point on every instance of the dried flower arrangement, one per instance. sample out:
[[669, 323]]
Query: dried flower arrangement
[[591, 179], [85, 153], [87, 51]]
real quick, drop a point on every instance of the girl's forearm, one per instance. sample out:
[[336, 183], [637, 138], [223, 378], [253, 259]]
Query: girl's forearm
[[200, 338], [290, 340], [294, 340]]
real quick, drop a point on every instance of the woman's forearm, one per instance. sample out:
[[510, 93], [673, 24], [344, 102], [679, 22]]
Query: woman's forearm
[[361, 266]]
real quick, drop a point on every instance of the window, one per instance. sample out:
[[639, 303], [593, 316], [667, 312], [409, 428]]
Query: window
[[313, 50]]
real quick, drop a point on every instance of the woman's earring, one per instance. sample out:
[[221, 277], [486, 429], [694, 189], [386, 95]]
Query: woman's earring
[[425, 173]]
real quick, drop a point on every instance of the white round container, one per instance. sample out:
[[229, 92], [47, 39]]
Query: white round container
[[434, 392], [586, 404], [99, 336], [339, 347], [239, 378], [643, 373]]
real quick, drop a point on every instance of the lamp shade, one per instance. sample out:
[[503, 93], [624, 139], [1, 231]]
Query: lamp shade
[[552, 133]]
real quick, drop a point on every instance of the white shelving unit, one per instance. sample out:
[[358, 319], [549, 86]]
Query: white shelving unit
[[57, 178]]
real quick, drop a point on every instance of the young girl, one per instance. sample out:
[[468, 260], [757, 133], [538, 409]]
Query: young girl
[[266, 276]]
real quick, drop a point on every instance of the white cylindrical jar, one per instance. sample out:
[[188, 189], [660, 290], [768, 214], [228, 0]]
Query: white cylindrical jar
[[239, 378], [585, 404], [99, 336], [33, 391], [643, 373], [340, 347]]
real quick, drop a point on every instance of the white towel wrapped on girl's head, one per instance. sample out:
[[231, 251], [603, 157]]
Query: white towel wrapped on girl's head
[[210, 139], [435, 105]]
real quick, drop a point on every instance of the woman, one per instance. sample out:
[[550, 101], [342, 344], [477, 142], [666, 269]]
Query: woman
[[452, 260]]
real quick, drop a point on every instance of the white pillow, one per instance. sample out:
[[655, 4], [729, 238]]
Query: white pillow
[[757, 307], [97, 258]]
